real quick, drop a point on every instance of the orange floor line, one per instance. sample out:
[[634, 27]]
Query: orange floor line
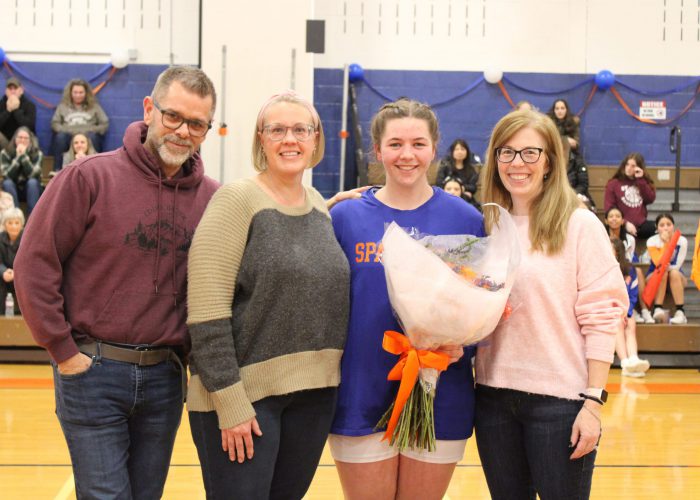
[[659, 388], [26, 383]]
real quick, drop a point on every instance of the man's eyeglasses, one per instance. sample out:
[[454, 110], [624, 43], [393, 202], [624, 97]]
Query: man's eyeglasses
[[528, 155], [277, 132], [174, 121]]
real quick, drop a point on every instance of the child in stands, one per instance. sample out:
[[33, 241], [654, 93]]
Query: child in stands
[[626, 338], [673, 278], [631, 189], [615, 224]]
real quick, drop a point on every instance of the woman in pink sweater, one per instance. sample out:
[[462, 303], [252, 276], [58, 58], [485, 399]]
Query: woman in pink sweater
[[541, 375]]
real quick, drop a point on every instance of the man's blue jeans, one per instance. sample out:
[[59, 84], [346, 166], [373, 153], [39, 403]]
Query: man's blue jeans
[[523, 442], [120, 421]]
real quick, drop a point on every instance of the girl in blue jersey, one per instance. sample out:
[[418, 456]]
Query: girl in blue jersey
[[405, 135]]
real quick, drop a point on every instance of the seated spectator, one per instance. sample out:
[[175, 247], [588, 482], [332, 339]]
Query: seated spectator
[[458, 163], [567, 124], [577, 173], [674, 278], [12, 227], [20, 163], [15, 111], [626, 338], [525, 105], [6, 202], [80, 147], [631, 189], [615, 225], [78, 112], [454, 186]]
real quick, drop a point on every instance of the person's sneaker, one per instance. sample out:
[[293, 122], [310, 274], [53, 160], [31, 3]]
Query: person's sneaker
[[628, 373], [630, 365], [659, 315], [637, 317], [634, 364], [644, 365], [679, 318], [646, 317]]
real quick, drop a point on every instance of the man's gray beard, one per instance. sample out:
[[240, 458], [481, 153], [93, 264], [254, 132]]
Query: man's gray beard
[[166, 156]]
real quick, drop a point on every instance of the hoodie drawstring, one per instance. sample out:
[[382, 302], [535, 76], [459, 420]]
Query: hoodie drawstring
[[174, 244], [157, 265]]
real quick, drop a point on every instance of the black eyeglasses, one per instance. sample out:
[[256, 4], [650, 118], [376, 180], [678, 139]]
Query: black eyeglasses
[[528, 155], [174, 121]]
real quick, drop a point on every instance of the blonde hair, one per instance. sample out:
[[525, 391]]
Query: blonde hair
[[552, 208], [258, 155], [404, 108]]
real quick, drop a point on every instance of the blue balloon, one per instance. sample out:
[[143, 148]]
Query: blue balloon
[[604, 79], [2, 55], [355, 73]]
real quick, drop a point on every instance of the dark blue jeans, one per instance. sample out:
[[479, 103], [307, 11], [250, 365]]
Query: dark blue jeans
[[523, 442], [31, 190], [120, 421], [294, 426]]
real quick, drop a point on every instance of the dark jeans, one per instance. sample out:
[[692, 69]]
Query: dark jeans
[[294, 426], [120, 421], [61, 143], [523, 442], [31, 190]]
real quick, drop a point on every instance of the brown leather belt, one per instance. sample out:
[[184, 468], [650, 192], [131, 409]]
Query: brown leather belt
[[138, 355]]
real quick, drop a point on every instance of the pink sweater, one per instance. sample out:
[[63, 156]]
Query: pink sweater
[[566, 309]]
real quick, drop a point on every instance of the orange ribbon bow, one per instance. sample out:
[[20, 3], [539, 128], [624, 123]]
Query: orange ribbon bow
[[406, 370]]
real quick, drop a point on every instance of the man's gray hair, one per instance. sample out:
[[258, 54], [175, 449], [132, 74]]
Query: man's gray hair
[[192, 79]]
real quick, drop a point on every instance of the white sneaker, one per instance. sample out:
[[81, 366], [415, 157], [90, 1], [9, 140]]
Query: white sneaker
[[644, 365], [637, 317], [646, 317], [628, 373], [629, 365], [659, 315], [679, 318], [637, 365]]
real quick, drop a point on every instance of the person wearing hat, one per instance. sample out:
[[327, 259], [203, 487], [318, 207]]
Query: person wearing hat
[[15, 111]]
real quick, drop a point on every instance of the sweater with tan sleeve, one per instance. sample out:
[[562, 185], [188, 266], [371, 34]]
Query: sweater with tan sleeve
[[567, 309], [268, 301]]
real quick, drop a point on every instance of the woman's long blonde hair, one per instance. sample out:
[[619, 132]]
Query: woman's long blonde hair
[[551, 209]]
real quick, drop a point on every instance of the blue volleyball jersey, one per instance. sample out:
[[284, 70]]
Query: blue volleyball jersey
[[365, 393]]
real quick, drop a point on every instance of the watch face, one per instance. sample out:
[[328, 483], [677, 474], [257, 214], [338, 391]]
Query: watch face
[[604, 396]]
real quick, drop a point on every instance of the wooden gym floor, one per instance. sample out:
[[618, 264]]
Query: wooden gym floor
[[650, 447]]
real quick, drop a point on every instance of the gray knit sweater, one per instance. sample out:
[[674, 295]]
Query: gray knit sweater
[[268, 300]]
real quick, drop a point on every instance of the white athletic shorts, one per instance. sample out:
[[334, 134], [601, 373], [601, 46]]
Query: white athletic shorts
[[371, 448]]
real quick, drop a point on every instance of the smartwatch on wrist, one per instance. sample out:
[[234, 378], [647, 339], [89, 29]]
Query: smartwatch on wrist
[[597, 393]]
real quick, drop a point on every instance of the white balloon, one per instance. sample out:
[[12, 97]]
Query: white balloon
[[493, 76], [120, 58]]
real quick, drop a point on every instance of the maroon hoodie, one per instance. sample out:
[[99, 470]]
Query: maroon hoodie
[[104, 254], [631, 197]]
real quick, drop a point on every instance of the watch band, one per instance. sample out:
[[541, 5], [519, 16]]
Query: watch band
[[597, 393]]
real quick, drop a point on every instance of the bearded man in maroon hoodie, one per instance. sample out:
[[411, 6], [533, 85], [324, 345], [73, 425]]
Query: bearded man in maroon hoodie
[[101, 279]]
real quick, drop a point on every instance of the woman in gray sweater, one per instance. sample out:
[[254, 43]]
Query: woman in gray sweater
[[268, 300], [78, 112]]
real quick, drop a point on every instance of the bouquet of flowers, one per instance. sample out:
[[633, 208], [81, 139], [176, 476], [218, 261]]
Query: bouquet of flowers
[[445, 290]]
